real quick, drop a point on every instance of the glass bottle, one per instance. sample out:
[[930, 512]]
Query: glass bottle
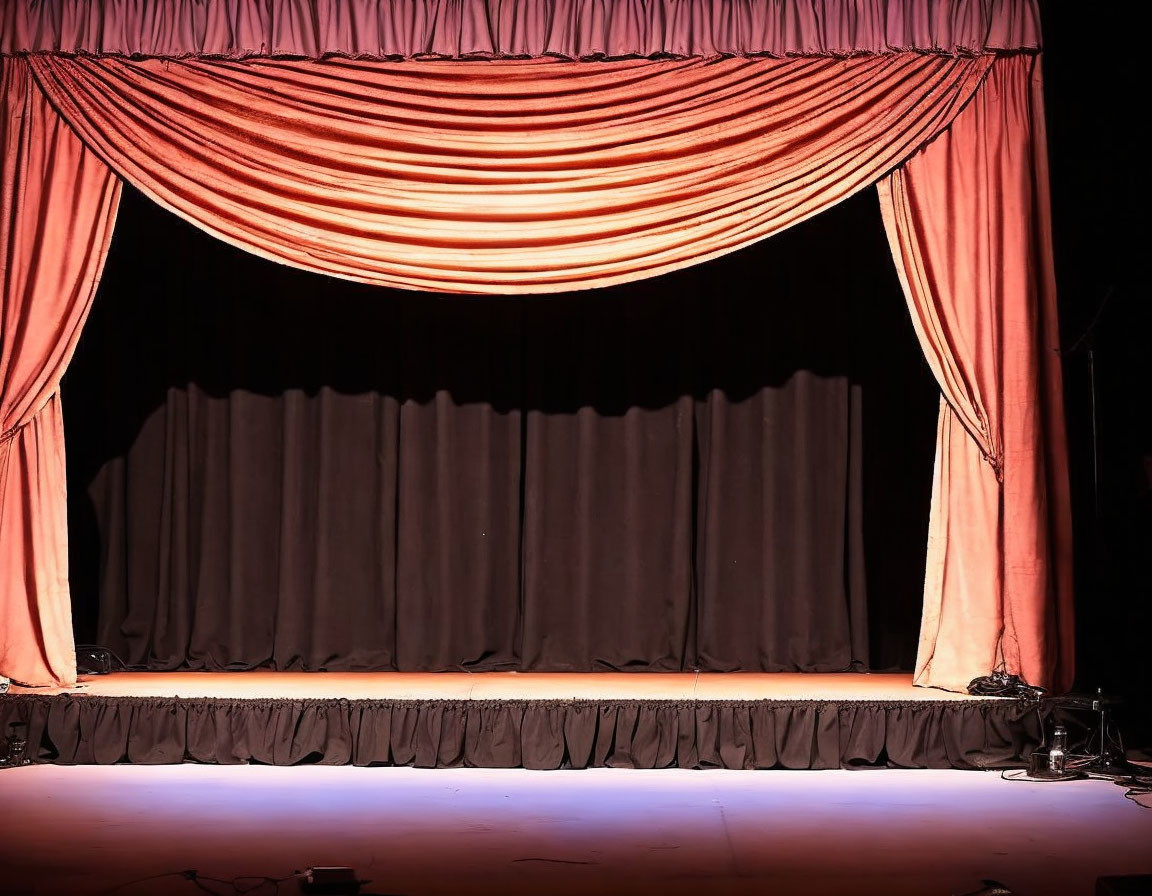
[[1058, 752]]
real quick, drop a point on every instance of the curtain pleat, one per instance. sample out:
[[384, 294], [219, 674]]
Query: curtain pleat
[[458, 507], [608, 482], [779, 467], [793, 612], [504, 177], [333, 499], [57, 208], [967, 219], [570, 28]]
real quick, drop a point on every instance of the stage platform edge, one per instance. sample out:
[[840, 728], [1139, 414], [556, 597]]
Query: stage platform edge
[[511, 720]]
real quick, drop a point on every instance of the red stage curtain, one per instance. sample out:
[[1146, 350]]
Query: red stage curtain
[[568, 28], [533, 176], [504, 177], [967, 219], [56, 217]]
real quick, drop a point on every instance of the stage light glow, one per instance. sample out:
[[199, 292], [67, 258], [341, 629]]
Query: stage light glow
[[516, 832]]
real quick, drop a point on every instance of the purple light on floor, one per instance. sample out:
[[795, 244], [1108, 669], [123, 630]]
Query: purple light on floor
[[81, 830]]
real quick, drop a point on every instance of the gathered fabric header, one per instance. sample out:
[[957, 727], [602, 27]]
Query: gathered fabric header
[[569, 29]]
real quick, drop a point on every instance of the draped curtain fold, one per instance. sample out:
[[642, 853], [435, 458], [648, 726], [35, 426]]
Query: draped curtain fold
[[504, 177], [57, 208], [967, 221], [536, 176], [571, 29]]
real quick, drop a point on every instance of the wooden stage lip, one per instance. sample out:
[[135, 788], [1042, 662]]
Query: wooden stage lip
[[509, 686]]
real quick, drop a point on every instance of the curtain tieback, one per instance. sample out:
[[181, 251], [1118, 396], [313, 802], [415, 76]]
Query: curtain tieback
[[12, 431], [996, 462]]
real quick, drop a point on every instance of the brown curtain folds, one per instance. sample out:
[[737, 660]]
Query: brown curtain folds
[[572, 29], [504, 177], [967, 220], [608, 480], [458, 471], [252, 489], [57, 208]]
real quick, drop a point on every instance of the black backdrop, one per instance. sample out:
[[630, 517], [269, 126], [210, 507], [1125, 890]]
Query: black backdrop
[[723, 468], [1100, 213]]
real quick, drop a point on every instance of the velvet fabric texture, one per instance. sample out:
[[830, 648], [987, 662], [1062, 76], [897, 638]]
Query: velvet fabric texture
[[537, 734], [519, 176], [57, 208], [979, 282], [536, 176], [572, 29]]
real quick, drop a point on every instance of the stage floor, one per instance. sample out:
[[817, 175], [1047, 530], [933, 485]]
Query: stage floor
[[507, 686], [130, 830]]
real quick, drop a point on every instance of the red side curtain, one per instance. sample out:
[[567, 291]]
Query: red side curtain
[[57, 213], [504, 177], [967, 219]]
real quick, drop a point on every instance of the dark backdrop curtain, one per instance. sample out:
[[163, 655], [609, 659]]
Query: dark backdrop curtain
[[724, 468]]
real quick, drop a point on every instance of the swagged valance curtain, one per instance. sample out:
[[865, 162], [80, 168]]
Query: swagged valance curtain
[[373, 158]]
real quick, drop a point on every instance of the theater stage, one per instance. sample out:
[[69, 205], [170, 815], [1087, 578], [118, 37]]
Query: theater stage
[[510, 720]]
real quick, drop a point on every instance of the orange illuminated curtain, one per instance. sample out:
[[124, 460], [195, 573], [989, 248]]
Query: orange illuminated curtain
[[58, 207], [967, 218], [543, 175], [515, 176]]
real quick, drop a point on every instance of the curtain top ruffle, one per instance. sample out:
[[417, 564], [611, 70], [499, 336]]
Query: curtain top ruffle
[[573, 29]]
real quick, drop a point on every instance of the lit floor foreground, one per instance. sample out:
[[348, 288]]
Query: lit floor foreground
[[77, 830]]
